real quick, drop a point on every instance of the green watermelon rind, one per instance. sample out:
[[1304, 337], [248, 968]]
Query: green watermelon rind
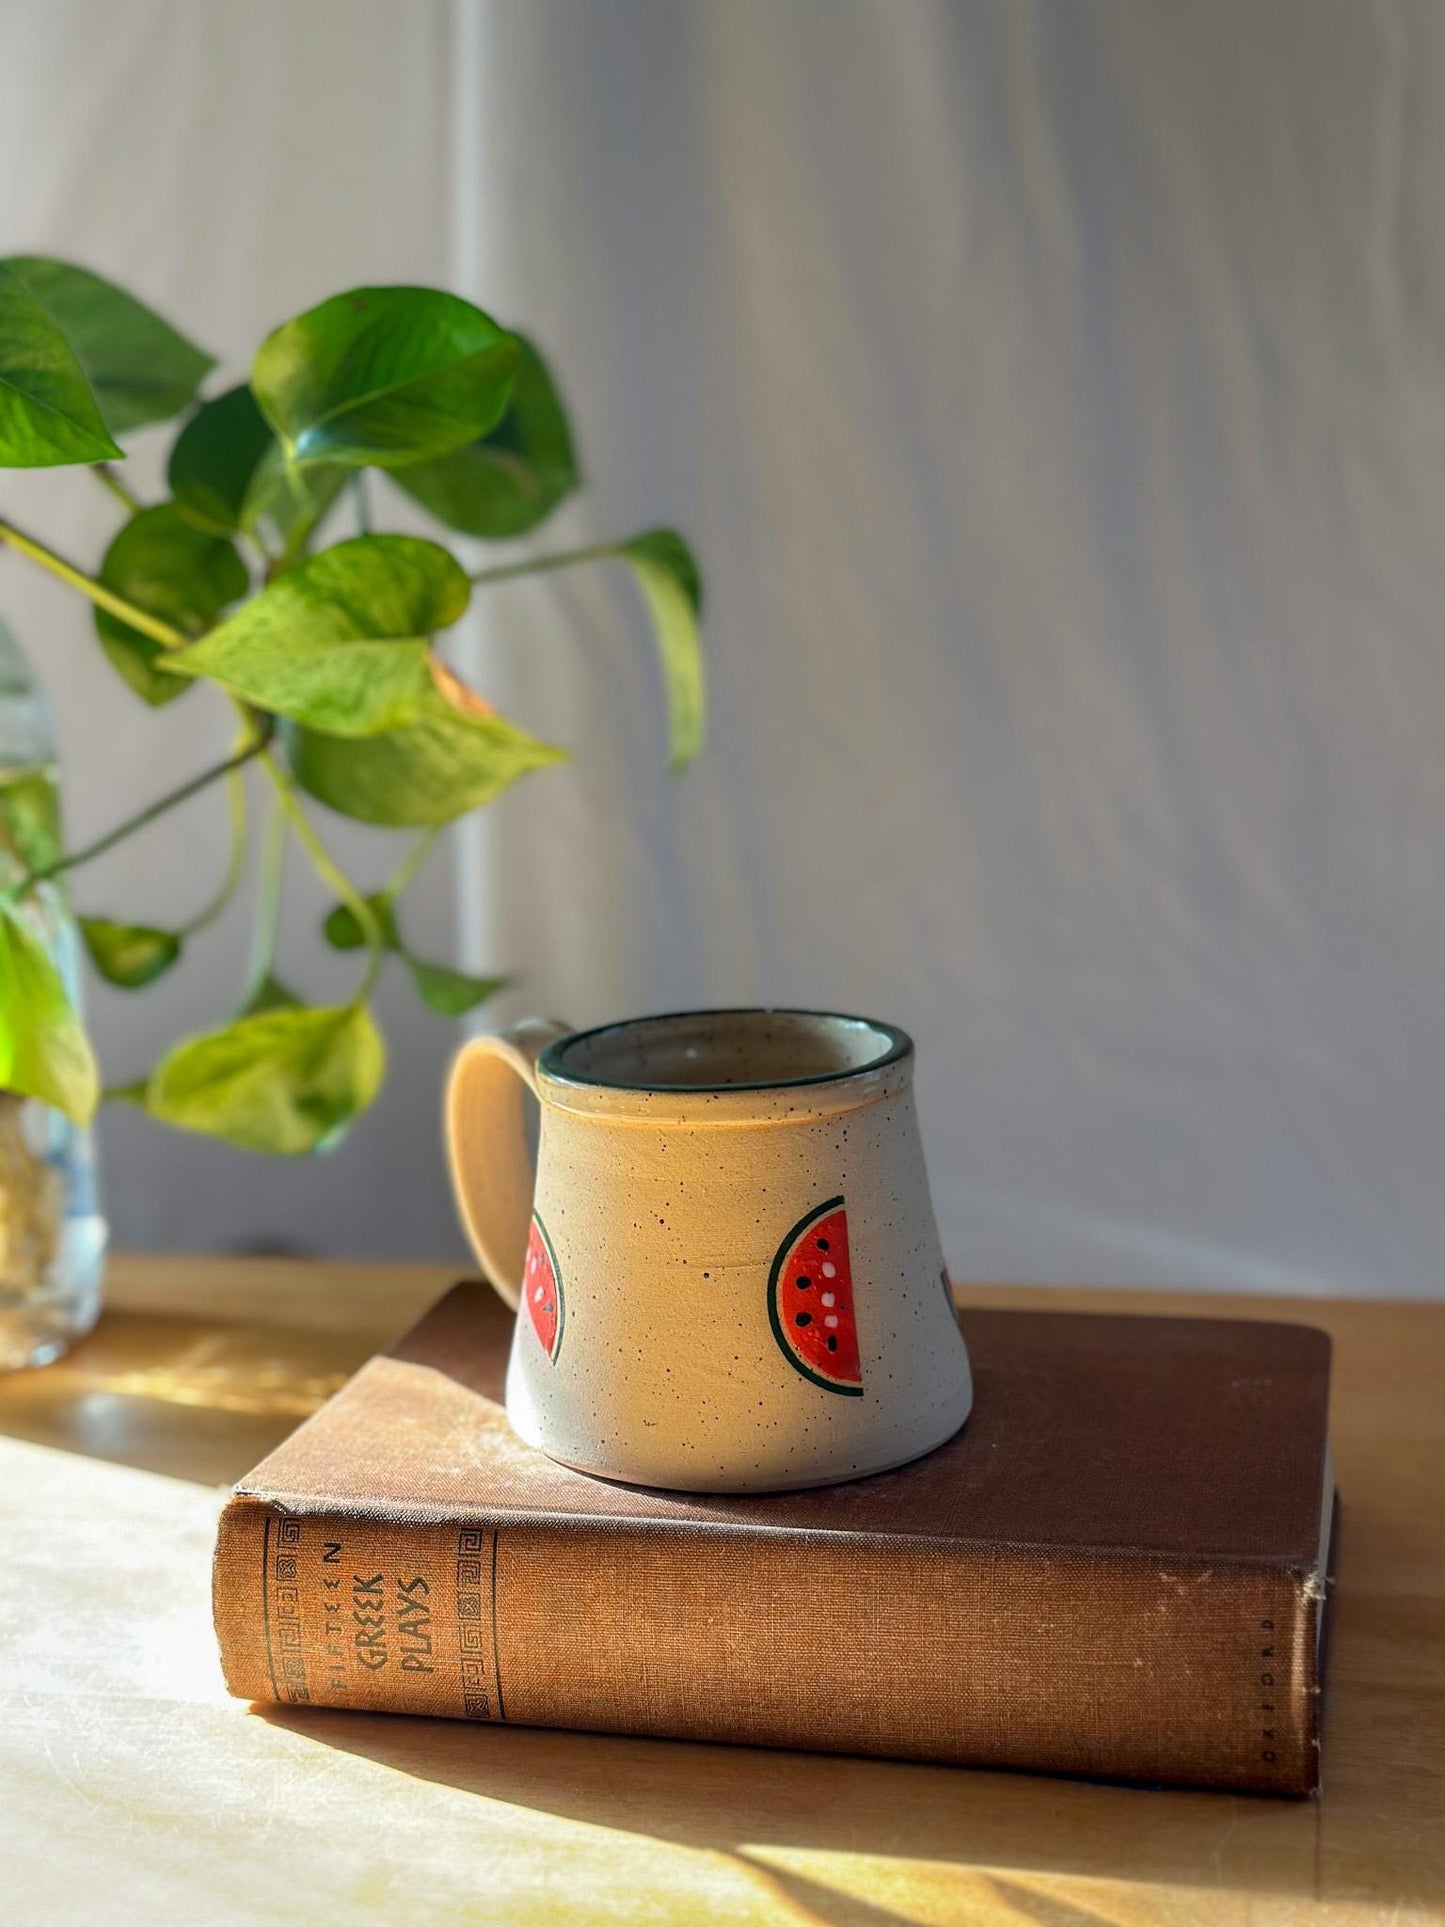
[[784, 1252], [561, 1294]]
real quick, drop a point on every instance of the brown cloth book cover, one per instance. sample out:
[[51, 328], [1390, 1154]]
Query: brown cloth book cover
[[1117, 1569]]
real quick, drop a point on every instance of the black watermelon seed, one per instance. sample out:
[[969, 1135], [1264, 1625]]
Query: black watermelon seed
[[822, 1244], [805, 1284], [803, 1318], [832, 1343]]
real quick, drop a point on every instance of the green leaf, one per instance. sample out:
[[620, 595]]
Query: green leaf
[[130, 955], [452, 992], [505, 483], [169, 567], [48, 414], [459, 754], [30, 815], [342, 931], [384, 376], [140, 369], [339, 642], [215, 459], [286, 1081], [668, 577], [44, 1051], [228, 473]]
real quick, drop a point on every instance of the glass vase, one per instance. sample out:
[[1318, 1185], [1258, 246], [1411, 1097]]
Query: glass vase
[[52, 1233]]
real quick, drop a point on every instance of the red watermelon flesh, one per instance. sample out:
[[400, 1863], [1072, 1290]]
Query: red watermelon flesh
[[810, 1301], [542, 1290]]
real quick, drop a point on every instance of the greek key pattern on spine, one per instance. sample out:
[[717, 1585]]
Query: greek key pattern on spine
[[283, 1628], [477, 1624]]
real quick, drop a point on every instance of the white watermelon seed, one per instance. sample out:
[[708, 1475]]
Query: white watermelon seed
[[830, 1298], [830, 1321], [830, 1271]]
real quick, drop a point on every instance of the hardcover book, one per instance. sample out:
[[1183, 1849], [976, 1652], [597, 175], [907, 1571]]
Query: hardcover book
[[1117, 1569]]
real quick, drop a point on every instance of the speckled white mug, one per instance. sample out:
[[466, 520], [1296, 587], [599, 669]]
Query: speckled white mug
[[727, 1268]]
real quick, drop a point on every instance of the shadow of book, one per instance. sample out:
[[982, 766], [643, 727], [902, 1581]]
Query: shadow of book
[[791, 1815]]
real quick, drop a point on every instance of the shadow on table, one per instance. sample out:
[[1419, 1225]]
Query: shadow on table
[[753, 1804]]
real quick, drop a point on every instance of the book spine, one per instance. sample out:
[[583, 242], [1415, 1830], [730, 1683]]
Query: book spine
[[1108, 1665]]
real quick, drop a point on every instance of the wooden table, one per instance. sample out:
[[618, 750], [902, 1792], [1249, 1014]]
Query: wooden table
[[133, 1789]]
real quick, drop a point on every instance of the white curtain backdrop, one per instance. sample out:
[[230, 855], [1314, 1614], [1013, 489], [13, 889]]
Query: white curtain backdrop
[[1055, 395]]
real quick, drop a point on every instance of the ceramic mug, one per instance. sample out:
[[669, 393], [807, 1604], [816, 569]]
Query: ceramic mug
[[726, 1269]]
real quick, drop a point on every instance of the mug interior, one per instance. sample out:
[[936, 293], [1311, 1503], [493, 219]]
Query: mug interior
[[725, 1050]]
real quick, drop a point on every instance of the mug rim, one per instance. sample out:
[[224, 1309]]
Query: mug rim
[[899, 1046]]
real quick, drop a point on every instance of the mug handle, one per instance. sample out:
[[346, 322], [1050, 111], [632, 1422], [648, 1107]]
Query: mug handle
[[486, 1136]]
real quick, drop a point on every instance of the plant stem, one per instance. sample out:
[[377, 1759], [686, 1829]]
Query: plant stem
[[162, 804], [402, 875], [268, 903], [107, 477], [133, 1093], [104, 598], [292, 551], [328, 869], [302, 531], [235, 862], [542, 563]]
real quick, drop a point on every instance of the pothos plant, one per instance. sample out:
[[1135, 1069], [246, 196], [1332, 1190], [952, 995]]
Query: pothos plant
[[321, 644]]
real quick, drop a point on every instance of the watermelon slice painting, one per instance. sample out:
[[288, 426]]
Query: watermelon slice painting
[[542, 1290], [810, 1301]]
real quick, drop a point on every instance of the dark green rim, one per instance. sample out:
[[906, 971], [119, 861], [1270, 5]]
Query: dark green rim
[[551, 1064], [803, 1371]]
